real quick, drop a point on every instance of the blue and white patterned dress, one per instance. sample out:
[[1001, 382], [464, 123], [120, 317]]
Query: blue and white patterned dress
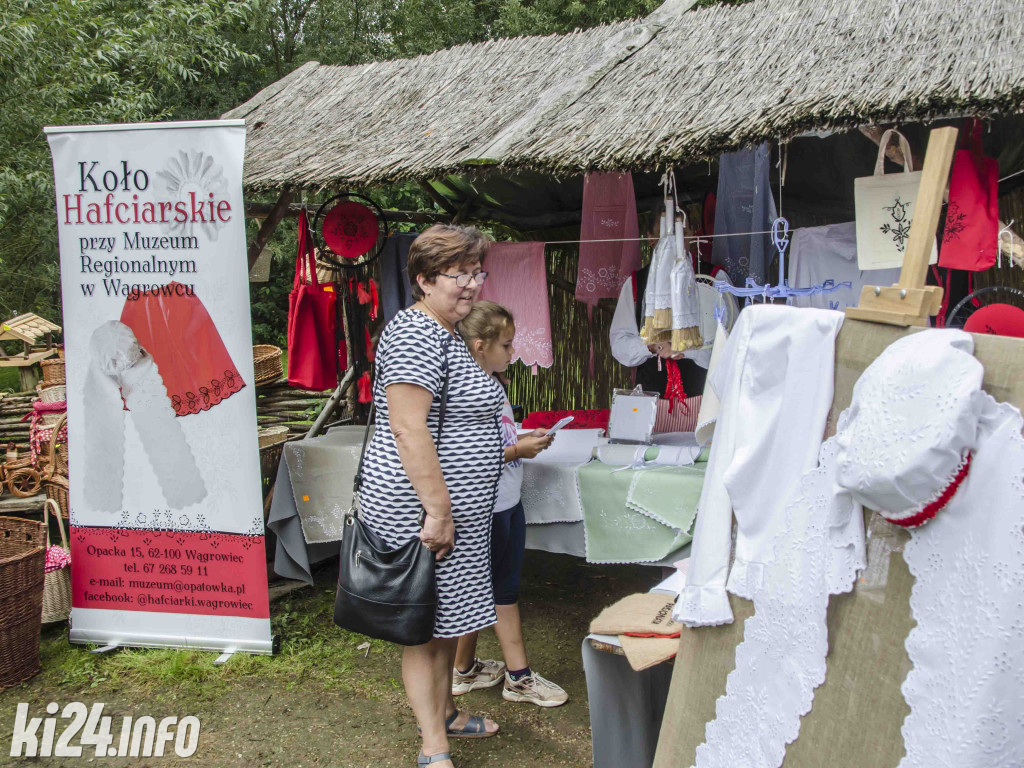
[[411, 350]]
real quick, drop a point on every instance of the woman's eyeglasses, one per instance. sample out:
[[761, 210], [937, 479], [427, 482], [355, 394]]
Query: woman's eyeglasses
[[464, 280]]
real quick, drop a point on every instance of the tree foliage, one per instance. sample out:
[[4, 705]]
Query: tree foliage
[[78, 62]]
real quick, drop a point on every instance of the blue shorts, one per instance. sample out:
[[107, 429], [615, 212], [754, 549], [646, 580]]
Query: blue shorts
[[508, 546]]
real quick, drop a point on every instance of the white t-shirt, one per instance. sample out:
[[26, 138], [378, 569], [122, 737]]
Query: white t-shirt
[[511, 481]]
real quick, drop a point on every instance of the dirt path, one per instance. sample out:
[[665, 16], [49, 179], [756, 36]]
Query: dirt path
[[322, 702]]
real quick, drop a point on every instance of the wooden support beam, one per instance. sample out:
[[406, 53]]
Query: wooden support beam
[[269, 225], [438, 198], [934, 179]]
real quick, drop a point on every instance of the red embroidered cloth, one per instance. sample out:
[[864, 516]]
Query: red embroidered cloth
[[172, 324]]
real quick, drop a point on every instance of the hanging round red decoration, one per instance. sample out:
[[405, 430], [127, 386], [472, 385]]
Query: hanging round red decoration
[[350, 229]]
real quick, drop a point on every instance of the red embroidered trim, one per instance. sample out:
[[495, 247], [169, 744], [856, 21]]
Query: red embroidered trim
[[207, 396], [674, 386], [932, 509]]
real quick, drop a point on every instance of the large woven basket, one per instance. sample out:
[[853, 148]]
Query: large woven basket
[[22, 559], [56, 583], [266, 360], [53, 370]]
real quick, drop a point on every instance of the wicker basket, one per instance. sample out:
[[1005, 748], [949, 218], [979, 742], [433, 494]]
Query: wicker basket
[[53, 419], [56, 583], [272, 435], [272, 440], [53, 370], [56, 488], [53, 393], [266, 360], [22, 559]]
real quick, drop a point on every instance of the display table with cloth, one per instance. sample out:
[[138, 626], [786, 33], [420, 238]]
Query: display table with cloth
[[314, 486], [606, 510]]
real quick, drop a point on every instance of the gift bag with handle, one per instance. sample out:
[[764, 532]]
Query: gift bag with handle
[[312, 346], [885, 209], [970, 238]]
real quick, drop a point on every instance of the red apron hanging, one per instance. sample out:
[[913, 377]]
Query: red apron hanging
[[312, 347], [970, 239]]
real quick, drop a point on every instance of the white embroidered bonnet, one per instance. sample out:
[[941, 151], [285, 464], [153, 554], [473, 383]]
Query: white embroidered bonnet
[[905, 443]]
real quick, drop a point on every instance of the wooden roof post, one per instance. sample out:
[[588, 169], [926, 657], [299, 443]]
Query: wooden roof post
[[270, 223], [910, 301]]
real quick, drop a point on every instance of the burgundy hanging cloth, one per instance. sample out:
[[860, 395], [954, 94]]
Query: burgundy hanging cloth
[[312, 323], [970, 239], [609, 213]]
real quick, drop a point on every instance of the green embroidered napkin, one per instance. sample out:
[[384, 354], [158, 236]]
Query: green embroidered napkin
[[656, 523]]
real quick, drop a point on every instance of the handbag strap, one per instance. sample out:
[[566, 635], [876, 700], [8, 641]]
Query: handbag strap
[[304, 260], [60, 523], [357, 482], [908, 160]]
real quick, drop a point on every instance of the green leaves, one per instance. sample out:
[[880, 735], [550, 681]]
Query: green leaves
[[87, 61]]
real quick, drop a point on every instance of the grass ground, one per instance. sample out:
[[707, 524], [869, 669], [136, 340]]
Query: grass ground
[[324, 702]]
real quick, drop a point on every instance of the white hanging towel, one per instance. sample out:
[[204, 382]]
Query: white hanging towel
[[658, 295], [685, 300]]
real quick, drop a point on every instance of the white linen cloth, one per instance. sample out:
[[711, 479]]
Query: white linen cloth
[[830, 253], [120, 368], [775, 386], [550, 493]]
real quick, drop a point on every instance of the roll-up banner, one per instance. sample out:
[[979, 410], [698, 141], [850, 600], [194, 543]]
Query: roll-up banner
[[166, 511]]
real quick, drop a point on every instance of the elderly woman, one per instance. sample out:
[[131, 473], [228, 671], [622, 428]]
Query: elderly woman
[[452, 477]]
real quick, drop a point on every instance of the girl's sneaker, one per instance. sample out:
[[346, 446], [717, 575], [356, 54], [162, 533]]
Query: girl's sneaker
[[534, 689], [485, 673]]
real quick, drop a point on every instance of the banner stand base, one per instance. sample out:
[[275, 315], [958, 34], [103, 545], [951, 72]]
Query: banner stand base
[[225, 648]]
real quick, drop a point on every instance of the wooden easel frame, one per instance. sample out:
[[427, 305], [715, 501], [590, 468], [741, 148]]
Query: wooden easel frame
[[910, 301]]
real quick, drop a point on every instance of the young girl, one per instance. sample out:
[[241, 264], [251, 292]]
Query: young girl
[[488, 331]]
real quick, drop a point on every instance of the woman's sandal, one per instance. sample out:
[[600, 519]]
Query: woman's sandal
[[424, 760], [475, 728]]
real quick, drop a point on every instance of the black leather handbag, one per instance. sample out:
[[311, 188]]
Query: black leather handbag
[[383, 593]]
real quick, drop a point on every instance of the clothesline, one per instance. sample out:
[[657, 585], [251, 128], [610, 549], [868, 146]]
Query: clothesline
[[642, 239], [1011, 175]]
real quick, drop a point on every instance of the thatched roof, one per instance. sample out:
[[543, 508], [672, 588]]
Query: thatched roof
[[677, 87]]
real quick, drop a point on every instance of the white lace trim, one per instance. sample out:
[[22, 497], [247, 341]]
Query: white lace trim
[[782, 657], [966, 689], [704, 606]]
